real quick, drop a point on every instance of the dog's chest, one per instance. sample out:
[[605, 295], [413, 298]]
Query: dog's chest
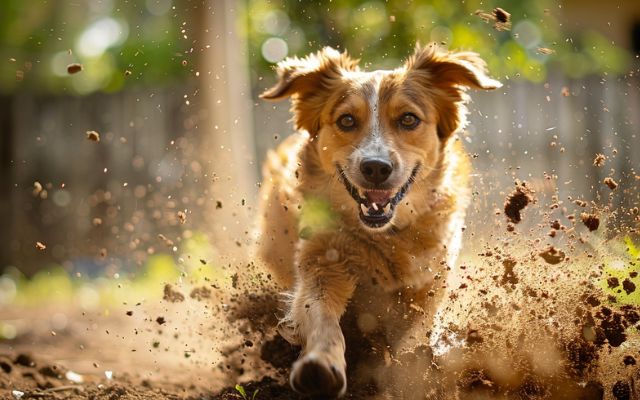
[[393, 263]]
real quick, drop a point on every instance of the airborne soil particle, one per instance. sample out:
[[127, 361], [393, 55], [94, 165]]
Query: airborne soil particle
[[501, 15], [509, 276], [628, 286], [517, 201], [552, 255], [172, 295], [200, 293], [610, 183], [74, 68], [545, 51], [591, 221], [599, 160], [613, 326], [501, 19], [93, 136]]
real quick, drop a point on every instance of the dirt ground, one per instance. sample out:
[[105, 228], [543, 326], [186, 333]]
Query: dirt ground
[[182, 349], [147, 353], [522, 318]]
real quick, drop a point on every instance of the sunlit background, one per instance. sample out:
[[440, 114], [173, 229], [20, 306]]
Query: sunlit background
[[171, 88]]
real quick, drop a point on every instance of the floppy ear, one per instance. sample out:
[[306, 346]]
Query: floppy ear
[[449, 74], [309, 82]]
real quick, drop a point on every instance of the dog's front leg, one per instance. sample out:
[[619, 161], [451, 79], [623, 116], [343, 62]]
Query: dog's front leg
[[321, 294]]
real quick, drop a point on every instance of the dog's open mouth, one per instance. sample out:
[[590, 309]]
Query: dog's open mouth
[[377, 206]]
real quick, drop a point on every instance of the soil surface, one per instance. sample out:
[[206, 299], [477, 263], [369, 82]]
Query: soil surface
[[124, 357], [529, 319]]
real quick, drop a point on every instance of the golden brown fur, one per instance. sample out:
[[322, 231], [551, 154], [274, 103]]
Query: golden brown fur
[[347, 255]]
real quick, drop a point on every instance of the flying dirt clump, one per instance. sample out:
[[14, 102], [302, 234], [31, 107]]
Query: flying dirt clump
[[628, 286], [171, 295], [93, 136], [552, 255], [591, 221], [74, 68], [500, 18], [200, 293], [517, 201], [610, 182], [599, 160]]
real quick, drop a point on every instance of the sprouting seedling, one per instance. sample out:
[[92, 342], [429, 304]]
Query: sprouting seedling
[[243, 392]]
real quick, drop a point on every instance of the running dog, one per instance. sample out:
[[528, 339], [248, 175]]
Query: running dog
[[368, 197]]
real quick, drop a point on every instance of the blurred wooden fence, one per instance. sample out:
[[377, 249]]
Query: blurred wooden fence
[[149, 147], [93, 194]]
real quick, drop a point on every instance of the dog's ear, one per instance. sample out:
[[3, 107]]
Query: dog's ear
[[450, 73], [452, 68], [309, 82]]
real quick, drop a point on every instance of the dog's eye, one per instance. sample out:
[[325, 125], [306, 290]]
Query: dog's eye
[[346, 122], [408, 121]]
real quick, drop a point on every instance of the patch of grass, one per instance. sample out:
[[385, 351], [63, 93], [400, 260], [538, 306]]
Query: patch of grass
[[244, 394]]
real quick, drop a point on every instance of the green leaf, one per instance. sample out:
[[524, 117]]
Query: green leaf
[[241, 390]]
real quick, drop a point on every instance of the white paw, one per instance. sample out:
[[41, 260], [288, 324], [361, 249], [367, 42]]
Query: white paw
[[315, 375]]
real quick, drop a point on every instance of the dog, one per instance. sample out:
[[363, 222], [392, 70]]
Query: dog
[[366, 201]]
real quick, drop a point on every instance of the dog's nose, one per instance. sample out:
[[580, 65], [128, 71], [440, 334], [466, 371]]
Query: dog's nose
[[375, 170]]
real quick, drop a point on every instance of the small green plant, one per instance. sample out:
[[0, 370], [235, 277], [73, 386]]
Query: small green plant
[[243, 393]]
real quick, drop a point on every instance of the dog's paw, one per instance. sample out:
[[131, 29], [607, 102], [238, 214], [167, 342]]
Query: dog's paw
[[314, 375]]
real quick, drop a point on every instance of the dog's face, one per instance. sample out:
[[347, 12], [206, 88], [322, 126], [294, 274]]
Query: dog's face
[[380, 131]]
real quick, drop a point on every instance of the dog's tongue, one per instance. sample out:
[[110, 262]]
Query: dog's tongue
[[380, 197]]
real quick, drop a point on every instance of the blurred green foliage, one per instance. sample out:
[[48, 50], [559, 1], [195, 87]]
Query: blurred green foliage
[[115, 41], [58, 286], [149, 42], [624, 270], [385, 32]]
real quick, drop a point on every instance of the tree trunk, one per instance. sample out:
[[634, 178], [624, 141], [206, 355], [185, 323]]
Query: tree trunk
[[226, 135], [6, 151]]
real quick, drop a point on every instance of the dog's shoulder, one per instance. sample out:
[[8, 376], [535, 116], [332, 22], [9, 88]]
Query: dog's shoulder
[[281, 164]]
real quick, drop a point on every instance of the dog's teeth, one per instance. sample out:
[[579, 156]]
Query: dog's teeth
[[375, 206], [387, 208], [364, 209]]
